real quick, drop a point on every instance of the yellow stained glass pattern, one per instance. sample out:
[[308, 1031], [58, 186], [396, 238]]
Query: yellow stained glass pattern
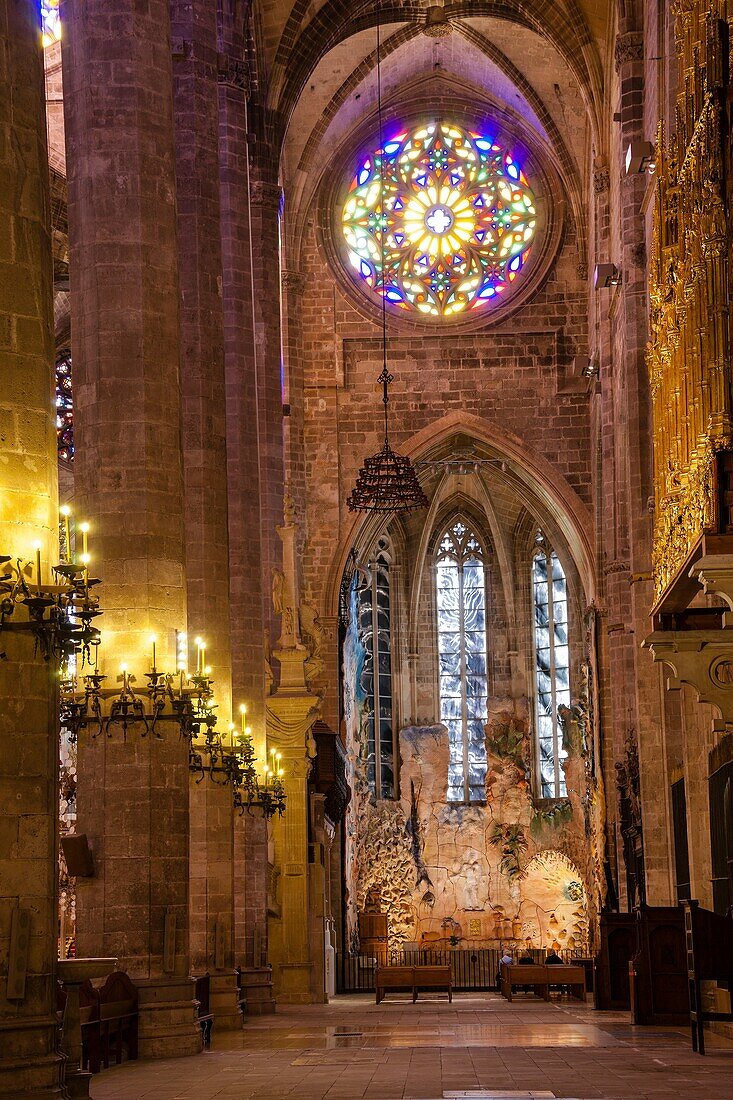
[[439, 221]]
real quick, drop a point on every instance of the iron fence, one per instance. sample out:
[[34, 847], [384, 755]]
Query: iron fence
[[475, 970]]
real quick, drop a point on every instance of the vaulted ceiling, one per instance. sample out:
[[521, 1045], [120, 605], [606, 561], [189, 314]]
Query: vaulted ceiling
[[542, 61]]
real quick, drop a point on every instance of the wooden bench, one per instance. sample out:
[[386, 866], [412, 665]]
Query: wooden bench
[[525, 974], [412, 979], [540, 977]]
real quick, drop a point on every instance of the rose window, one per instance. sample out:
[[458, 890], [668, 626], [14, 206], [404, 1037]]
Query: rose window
[[440, 221]]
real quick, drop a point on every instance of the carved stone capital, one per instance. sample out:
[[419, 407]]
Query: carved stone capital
[[290, 718], [233, 72], [715, 573], [601, 180], [629, 47], [266, 194], [293, 280], [701, 658]]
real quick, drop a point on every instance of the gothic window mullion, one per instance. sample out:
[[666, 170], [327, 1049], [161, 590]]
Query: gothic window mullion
[[549, 591], [462, 659]]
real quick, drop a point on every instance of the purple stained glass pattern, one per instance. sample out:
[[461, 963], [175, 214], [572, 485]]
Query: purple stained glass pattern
[[462, 668], [439, 221], [64, 409], [552, 667]]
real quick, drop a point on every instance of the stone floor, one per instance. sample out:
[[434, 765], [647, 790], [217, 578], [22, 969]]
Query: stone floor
[[479, 1047]]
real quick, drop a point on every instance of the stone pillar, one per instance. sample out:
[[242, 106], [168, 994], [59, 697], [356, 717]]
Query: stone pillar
[[247, 586], [133, 792], [251, 946], [29, 1062], [203, 397], [265, 198]]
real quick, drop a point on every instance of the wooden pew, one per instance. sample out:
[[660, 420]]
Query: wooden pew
[[541, 977], [525, 974], [432, 977], [118, 1018], [411, 979], [709, 946], [572, 976]]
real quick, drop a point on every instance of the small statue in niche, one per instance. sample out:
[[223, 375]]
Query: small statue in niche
[[313, 634]]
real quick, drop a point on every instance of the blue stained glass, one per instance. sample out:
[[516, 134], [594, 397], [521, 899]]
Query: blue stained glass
[[461, 615], [551, 668]]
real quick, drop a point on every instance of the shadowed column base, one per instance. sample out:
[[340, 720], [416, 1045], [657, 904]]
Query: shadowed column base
[[30, 1066], [224, 1001], [168, 1024], [257, 990]]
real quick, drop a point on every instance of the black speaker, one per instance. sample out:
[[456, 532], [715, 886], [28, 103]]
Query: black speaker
[[78, 855]]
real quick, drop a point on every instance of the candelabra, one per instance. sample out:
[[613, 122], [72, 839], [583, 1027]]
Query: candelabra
[[60, 612], [187, 701], [234, 764]]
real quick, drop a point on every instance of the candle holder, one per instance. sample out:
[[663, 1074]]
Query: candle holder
[[59, 614], [166, 698], [234, 764]]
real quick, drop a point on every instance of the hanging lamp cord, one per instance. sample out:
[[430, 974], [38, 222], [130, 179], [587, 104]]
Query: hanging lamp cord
[[385, 377]]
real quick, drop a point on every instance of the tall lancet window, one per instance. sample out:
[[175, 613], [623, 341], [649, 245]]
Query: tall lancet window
[[464, 685], [376, 674], [552, 664]]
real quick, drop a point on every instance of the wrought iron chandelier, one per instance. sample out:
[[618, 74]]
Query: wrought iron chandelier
[[387, 481]]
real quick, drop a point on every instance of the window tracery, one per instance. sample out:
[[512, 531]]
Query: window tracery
[[64, 409], [462, 658], [552, 665], [439, 220], [374, 622]]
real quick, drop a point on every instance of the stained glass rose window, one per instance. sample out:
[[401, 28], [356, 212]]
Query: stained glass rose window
[[440, 221]]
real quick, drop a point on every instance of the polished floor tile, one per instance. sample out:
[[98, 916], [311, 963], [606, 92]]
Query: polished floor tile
[[479, 1048]]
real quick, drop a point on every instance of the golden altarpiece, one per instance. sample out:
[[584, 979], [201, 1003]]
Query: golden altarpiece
[[689, 365]]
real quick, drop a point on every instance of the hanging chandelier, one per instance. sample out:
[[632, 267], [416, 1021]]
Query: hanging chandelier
[[387, 481]]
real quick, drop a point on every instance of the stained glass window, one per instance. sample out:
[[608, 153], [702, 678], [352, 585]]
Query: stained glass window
[[376, 675], [552, 664], [50, 21], [462, 669], [455, 226], [64, 409]]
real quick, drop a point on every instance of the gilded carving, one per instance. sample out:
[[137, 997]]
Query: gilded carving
[[689, 356]]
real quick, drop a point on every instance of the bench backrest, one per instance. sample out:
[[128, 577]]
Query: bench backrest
[[566, 975], [524, 973], [432, 975]]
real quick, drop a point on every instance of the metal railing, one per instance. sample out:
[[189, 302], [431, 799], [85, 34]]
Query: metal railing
[[474, 969]]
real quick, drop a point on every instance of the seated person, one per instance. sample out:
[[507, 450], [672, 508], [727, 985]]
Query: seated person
[[507, 960], [553, 959], [527, 960]]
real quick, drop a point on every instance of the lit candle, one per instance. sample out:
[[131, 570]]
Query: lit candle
[[231, 735], [266, 773], [37, 546], [198, 643], [152, 642], [203, 659], [85, 540], [66, 512], [243, 712], [85, 563]]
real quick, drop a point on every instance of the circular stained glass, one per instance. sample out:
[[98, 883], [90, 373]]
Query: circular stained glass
[[454, 229]]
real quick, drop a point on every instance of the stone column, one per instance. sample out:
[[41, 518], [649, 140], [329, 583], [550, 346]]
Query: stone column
[[248, 590], [133, 792], [203, 397], [29, 1062], [265, 198], [251, 899]]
